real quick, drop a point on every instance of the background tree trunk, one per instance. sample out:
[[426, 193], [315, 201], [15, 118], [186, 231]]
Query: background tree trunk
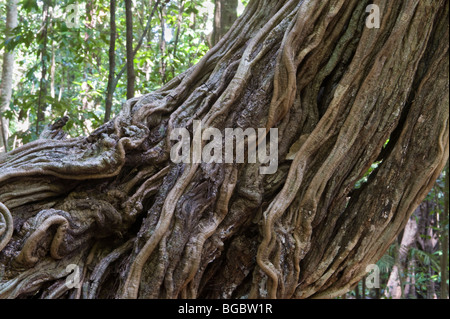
[[394, 287], [137, 225], [129, 44], [410, 287], [43, 55], [162, 44], [177, 31], [7, 73], [428, 241], [113, 79], [225, 13], [444, 238], [111, 87]]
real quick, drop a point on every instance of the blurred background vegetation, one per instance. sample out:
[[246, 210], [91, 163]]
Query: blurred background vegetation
[[62, 48]]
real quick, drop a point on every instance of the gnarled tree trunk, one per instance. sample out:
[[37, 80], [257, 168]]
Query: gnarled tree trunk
[[137, 225]]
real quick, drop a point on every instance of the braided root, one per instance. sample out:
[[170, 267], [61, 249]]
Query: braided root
[[6, 226], [26, 255]]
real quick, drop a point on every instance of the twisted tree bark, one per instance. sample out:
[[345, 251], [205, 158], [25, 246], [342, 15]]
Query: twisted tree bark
[[138, 225]]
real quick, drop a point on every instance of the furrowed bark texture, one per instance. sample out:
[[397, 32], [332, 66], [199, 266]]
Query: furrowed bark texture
[[140, 226]]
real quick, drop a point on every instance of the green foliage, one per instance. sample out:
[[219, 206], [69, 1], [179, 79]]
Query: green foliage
[[386, 263], [76, 58], [426, 259], [366, 175]]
